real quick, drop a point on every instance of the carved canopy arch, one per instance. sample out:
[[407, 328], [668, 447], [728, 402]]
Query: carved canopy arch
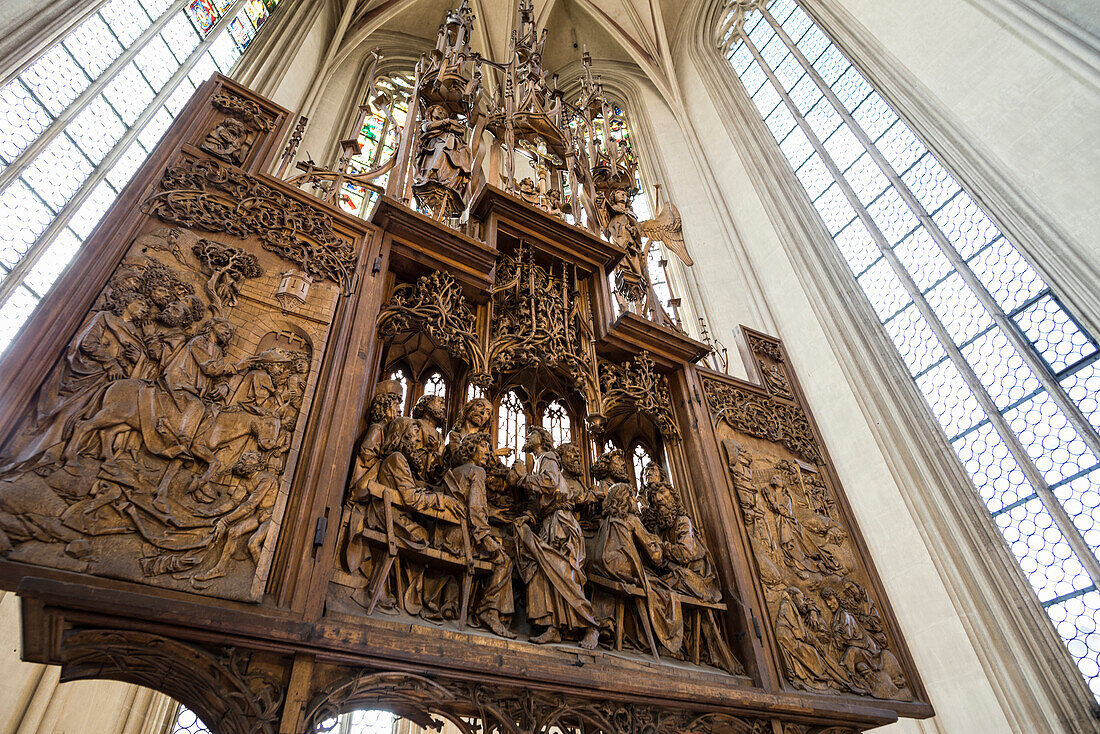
[[218, 686]]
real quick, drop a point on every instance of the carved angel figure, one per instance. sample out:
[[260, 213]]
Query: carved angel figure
[[667, 228]]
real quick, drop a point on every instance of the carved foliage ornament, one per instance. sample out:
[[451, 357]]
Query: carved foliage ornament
[[211, 196], [435, 305], [762, 417], [636, 386], [502, 710], [247, 111], [220, 685], [538, 321]]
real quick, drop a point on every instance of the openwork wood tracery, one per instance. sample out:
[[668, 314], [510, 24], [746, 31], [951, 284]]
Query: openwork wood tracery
[[224, 422]]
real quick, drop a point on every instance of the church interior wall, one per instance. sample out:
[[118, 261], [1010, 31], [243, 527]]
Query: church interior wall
[[1032, 110]]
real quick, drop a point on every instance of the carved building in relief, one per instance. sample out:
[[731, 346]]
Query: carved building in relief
[[456, 461]]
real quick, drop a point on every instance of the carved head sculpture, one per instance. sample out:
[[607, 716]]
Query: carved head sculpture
[[571, 463], [652, 474], [831, 598], [437, 112], [611, 465], [406, 436], [836, 535], [432, 408], [538, 440], [248, 464], [387, 398], [181, 312], [619, 501], [220, 329], [475, 414], [668, 505], [300, 362], [474, 448], [233, 128], [132, 307]]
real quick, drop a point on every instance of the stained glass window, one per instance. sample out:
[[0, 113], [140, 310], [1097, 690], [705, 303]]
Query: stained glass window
[[78, 122], [434, 384], [377, 141], [556, 420], [1006, 369], [511, 423]]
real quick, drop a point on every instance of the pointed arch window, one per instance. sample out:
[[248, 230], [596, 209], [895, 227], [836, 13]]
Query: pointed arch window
[[377, 138], [435, 384], [473, 391], [555, 418], [78, 122], [639, 457], [1011, 376], [511, 423], [402, 378]]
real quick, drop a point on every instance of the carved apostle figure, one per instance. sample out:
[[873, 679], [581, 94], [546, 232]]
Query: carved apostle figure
[[873, 669], [626, 552], [467, 483], [368, 456], [442, 157], [799, 629], [609, 468], [110, 347], [690, 570], [551, 558], [431, 411], [798, 551], [473, 418]]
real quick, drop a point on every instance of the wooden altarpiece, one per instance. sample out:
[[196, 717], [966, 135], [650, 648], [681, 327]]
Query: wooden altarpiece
[[208, 485]]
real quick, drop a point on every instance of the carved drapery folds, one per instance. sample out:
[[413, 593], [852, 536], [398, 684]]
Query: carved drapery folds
[[831, 634], [208, 195], [158, 445]]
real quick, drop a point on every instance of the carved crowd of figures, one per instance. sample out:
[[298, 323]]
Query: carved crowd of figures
[[556, 544], [829, 629], [149, 430]]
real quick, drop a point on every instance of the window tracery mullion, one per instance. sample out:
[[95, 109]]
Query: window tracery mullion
[[993, 414], [1042, 371], [15, 277], [58, 125]]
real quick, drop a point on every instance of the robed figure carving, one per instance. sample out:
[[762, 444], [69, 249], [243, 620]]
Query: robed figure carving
[[552, 557], [443, 162], [626, 552]]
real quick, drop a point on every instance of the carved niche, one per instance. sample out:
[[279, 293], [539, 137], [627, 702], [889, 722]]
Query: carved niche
[[160, 446], [822, 604]]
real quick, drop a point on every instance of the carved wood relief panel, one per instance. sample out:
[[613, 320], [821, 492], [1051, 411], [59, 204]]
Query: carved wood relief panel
[[161, 443], [822, 604]]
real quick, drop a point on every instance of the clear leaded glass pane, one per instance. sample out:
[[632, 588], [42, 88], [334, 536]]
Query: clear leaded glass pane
[[79, 121], [1009, 374]]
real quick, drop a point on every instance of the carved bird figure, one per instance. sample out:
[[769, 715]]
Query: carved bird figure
[[667, 228]]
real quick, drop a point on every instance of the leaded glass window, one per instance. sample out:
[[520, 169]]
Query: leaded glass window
[[186, 722], [639, 457], [435, 384], [399, 376], [556, 420], [511, 423], [360, 722], [1011, 376], [473, 391], [377, 140], [77, 123]]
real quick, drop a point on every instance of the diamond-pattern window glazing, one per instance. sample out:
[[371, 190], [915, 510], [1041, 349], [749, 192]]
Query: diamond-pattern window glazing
[[1007, 371], [78, 122]]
